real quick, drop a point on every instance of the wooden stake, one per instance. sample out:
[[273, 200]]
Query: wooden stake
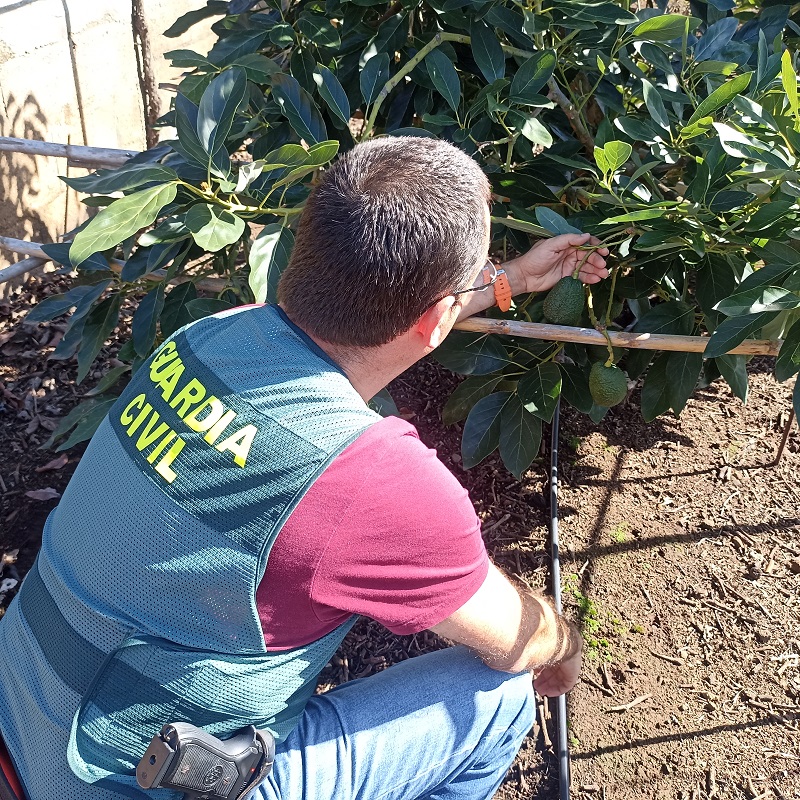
[[785, 436], [36, 256], [76, 155], [634, 341]]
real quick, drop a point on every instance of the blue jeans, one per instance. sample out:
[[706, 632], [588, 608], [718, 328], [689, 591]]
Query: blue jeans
[[442, 726]]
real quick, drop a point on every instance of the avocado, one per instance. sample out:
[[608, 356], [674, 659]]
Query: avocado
[[608, 385], [565, 302]]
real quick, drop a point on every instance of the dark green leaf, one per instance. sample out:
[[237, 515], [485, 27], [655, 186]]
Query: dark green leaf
[[655, 105], [188, 143], [714, 282], [374, 77], [734, 370], [169, 230], [655, 399], [206, 306], [683, 370], [672, 317], [471, 353], [318, 29], [384, 404], [663, 28], [148, 259], [520, 436], [539, 390], [788, 361], [753, 301], [218, 106], [521, 188], [118, 180], [533, 74], [143, 326], [59, 252], [213, 227], [108, 381], [269, 256], [175, 315], [213, 8], [120, 220], [58, 304], [554, 222], [100, 323], [466, 394], [235, 45], [298, 107], [486, 51], [188, 58], [575, 387], [734, 330], [258, 68], [335, 97], [85, 419], [482, 429], [711, 44], [721, 97], [444, 77], [282, 35], [302, 67]]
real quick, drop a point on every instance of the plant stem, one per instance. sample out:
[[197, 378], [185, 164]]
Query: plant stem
[[614, 273], [574, 117], [389, 86]]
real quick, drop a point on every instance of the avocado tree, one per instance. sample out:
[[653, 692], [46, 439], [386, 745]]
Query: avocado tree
[[674, 139]]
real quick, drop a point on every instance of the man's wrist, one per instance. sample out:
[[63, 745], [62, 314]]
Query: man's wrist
[[516, 277]]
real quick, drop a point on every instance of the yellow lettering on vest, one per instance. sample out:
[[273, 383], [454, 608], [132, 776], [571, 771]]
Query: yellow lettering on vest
[[219, 426], [239, 444], [169, 380], [215, 411], [192, 393], [159, 448], [142, 416], [163, 466], [159, 363], [126, 417], [151, 432]]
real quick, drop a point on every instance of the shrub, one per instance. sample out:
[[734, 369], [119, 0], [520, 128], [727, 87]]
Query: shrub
[[675, 139]]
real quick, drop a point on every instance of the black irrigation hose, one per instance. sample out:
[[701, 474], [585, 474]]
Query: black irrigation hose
[[561, 700]]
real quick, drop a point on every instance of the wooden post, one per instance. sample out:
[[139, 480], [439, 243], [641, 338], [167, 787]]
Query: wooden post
[[76, 155], [634, 341]]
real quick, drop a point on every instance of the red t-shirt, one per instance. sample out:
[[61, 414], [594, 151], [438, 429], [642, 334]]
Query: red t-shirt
[[386, 531]]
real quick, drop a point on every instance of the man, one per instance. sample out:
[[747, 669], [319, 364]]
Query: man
[[241, 504]]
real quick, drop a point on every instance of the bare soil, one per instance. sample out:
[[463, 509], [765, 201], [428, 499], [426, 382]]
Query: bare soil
[[681, 559]]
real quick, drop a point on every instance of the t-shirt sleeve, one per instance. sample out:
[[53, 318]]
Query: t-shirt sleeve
[[408, 550]]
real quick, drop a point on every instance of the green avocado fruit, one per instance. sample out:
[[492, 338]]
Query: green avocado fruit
[[564, 303], [608, 385]]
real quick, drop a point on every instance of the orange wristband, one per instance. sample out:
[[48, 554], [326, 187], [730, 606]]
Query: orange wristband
[[502, 291]]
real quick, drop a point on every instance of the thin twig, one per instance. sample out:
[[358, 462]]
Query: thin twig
[[628, 706]]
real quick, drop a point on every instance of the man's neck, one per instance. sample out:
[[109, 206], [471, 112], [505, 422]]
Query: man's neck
[[369, 369]]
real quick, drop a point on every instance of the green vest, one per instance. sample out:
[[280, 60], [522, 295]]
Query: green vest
[[141, 607]]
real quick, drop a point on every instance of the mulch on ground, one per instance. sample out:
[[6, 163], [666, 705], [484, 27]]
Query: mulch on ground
[[681, 559]]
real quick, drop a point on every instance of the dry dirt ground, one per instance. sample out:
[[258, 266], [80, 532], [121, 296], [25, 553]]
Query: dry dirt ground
[[681, 560]]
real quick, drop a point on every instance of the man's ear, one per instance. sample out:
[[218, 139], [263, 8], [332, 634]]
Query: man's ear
[[434, 325]]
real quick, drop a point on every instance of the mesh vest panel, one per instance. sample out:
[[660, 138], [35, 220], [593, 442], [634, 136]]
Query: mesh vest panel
[[141, 607]]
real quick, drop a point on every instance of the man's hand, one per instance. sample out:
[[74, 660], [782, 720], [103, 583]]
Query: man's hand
[[549, 260], [514, 630], [559, 676]]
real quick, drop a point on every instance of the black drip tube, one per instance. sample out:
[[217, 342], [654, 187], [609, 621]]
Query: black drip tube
[[562, 747]]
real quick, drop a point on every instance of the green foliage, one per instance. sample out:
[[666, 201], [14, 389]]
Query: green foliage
[[674, 139]]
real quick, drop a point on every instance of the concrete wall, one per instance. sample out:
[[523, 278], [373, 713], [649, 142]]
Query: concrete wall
[[68, 74]]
